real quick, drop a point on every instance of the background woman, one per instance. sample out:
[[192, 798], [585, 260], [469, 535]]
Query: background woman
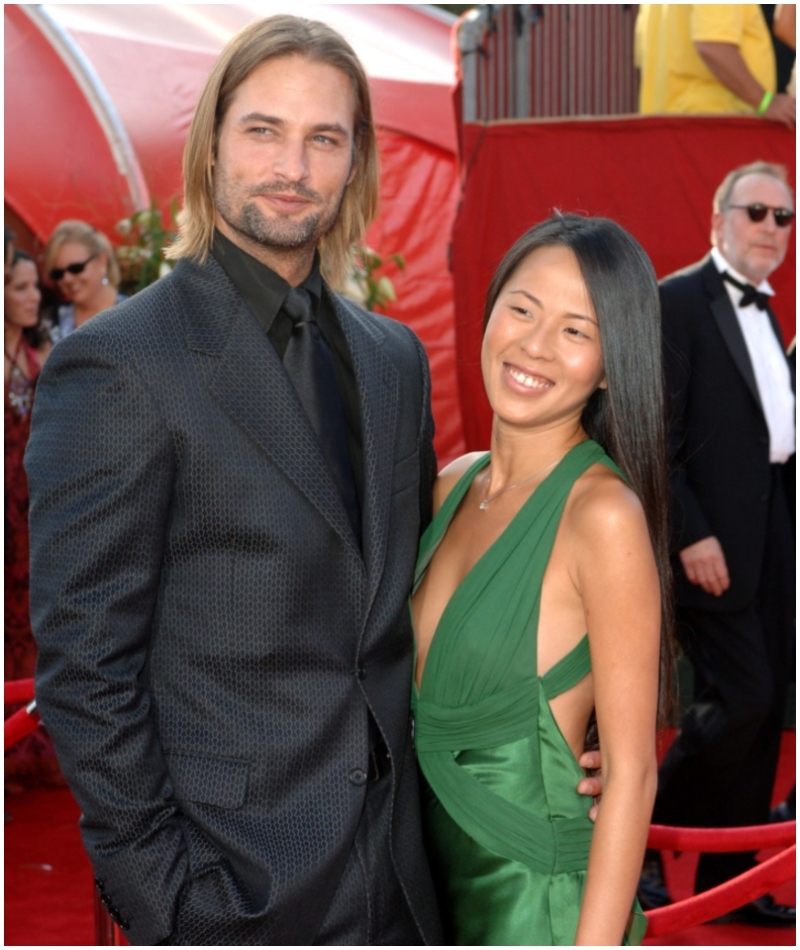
[[80, 261], [539, 599], [26, 347]]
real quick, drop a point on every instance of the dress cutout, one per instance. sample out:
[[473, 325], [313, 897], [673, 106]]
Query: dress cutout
[[508, 833]]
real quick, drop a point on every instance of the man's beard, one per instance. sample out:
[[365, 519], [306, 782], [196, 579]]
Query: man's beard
[[279, 233]]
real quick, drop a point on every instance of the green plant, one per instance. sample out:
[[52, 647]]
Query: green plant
[[141, 255], [365, 285]]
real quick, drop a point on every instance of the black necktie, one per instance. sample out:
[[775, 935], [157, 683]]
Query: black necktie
[[749, 293], [309, 363]]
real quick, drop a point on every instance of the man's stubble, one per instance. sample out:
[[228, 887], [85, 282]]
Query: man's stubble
[[254, 227]]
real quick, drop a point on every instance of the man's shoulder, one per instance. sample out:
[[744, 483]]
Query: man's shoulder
[[689, 276], [696, 284], [387, 332], [189, 284], [167, 309]]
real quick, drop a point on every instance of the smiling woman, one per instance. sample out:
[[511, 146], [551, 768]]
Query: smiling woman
[[539, 600], [541, 356], [81, 263]]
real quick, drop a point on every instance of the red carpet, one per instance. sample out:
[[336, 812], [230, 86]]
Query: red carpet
[[49, 889]]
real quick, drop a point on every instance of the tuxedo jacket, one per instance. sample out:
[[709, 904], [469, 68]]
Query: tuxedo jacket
[[718, 437], [211, 637]]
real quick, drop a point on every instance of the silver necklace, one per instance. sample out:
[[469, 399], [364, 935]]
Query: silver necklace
[[486, 499]]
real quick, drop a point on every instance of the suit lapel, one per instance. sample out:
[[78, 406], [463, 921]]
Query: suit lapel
[[379, 392], [725, 316], [252, 387]]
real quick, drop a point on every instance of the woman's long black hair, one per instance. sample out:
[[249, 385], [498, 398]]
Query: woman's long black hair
[[627, 418]]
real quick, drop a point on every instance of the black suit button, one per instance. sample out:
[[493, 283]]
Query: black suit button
[[106, 901], [358, 777], [99, 884], [125, 924], [361, 671]]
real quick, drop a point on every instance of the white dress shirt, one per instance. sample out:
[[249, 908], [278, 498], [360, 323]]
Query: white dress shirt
[[769, 364]]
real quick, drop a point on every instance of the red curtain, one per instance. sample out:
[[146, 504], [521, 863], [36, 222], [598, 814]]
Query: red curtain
[[419, 191], [656, 176]]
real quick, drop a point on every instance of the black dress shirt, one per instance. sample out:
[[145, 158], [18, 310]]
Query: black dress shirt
[[265, 292]]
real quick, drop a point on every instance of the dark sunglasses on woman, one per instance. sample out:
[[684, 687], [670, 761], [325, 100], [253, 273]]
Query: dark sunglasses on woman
[[757, 212], [58, 272]]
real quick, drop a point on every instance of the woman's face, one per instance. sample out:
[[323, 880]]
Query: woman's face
[[79, 288], [22, 295], [541, 356]]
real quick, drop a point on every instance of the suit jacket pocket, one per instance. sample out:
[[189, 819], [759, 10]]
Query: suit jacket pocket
[[208, 779], [406, 473]]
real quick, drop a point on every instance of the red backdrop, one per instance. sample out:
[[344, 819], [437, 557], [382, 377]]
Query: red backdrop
[[153, 60], [656, 176], [419, 191]]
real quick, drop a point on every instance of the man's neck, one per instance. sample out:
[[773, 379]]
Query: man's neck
[[292, 264], [725, 264]]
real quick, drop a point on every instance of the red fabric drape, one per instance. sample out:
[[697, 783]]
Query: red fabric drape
[[419, 191], [656, 176]]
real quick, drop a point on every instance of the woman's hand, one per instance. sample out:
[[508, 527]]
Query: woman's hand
[[592, 784]]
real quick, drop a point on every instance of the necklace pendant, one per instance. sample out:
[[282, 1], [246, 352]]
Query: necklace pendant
[[484, 504]]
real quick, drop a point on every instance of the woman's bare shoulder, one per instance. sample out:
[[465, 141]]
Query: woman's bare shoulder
[[604, 508], [449, 475]]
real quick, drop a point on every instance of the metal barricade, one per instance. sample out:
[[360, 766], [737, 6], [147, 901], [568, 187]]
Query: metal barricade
[[521, 61]]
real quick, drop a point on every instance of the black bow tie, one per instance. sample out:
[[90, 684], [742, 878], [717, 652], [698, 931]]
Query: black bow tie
[[749, 293]]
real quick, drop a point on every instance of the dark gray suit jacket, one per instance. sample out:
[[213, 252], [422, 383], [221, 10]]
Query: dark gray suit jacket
[[719, 440], [210, 636]]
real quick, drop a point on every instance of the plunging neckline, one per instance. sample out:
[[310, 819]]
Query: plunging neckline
[[458, 493]]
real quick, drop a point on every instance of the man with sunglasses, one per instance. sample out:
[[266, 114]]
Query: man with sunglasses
[[730, 394]]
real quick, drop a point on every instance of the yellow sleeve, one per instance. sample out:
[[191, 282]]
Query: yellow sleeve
[[718, 22], [639, 31]]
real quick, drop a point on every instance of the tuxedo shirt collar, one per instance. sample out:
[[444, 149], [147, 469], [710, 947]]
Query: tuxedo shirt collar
[[733, 292]]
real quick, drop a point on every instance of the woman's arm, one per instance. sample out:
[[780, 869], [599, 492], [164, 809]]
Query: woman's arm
[[618, 583]]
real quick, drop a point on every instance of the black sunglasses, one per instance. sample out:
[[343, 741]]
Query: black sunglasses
[[757, 212], [58, 272]]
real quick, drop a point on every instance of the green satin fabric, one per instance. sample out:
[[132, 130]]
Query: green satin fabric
[[508, 832]]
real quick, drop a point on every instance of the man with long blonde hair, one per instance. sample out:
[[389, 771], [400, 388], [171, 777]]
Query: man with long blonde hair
[[228, 477]]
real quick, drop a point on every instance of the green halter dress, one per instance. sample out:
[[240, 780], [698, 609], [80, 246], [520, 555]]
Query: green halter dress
[[508, 833]]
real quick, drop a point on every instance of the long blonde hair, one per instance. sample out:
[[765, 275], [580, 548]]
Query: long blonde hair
[[264, 40]]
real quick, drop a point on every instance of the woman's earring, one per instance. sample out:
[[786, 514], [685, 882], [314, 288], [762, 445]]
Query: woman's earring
[[105, 278]]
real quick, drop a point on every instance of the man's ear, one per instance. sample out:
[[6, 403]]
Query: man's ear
[[717, 220]]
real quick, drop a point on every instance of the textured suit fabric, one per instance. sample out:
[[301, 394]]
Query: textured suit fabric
[[721, 768], [211, 639]]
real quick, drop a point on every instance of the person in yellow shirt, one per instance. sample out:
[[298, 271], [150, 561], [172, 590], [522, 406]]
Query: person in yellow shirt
[[708, 58]]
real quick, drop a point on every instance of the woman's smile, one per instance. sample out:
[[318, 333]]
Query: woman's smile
[[542, 357], [533, 382]]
